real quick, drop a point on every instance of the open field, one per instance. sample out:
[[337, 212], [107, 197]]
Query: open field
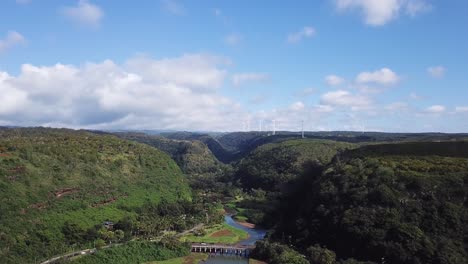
[[222, 233]]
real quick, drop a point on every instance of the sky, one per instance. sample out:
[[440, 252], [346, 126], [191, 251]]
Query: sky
[[360, 65]]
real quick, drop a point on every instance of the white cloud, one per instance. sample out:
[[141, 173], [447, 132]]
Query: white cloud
[[346, 99], [380, 12], [175, 93], [334, 80], [173, 7], [233, 39], [461, 109], [436, 71], [435, 109], [297, 106], [84, 13], [242, 78], [12, 39], [306, 32], [383, 76]]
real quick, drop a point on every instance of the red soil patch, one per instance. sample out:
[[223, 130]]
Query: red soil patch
[[222, 233], [5, 155]]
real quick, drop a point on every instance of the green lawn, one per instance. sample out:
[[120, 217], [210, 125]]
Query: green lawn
[[193, 258], [222, 233]]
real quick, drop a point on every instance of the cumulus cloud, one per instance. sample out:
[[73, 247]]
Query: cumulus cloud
[[177, 93], [346, 99], [297, 106], [11, 40], [242, 78], [383, 76], [436, 71], [84, 13], [334, 80], [435, 109], [380, 12], [306, 32]]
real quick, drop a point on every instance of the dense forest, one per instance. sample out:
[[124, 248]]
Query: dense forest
[[272, 165], [359, 198], [373, 204], [58, 186]]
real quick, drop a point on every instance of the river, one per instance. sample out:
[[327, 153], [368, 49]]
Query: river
[[254, 235]]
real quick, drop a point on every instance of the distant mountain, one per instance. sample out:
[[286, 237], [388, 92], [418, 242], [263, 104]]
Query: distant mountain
[[231, 147], [49, 177]]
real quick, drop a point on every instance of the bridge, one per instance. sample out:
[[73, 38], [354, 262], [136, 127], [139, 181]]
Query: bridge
[[239, 250]]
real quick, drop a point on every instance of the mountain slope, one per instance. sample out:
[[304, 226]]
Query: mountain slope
[[52, 176], [193, 157], [272, 165], [402, 203]]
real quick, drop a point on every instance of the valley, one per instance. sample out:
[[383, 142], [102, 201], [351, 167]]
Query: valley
[[330, 198]]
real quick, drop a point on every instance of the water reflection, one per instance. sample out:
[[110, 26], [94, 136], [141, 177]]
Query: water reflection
[[254, 235]]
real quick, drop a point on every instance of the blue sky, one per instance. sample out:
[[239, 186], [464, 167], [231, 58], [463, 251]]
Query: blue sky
[[373, 65]]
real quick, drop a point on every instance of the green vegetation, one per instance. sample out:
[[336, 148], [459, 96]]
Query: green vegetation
[[193, 258], [276, 253], [374, 205], [58, 186], [135, 252], [193, 157], [271, 166], [220, 233]]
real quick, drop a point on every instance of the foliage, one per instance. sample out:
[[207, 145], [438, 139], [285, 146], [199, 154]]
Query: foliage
[[57, 185], [380, 206], [135, 252], [193, 258], [276, 253], [271, 166]]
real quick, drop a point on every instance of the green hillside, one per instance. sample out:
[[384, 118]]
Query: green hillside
[[399, 203], [271, 165], [50, 178], [193, 157]]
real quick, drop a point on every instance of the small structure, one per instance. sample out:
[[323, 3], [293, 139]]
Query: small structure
[[239, 250], [108, 224]]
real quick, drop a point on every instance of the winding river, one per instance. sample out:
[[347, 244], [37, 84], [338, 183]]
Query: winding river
[[254, 235]]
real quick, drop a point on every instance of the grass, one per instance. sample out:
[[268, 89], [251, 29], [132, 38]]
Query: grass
[[222, 233], [254, 261], [193, 258]]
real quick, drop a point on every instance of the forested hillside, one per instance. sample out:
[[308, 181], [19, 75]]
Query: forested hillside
[[192, 156], [57, 185], [399, 203], [272, 165]]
